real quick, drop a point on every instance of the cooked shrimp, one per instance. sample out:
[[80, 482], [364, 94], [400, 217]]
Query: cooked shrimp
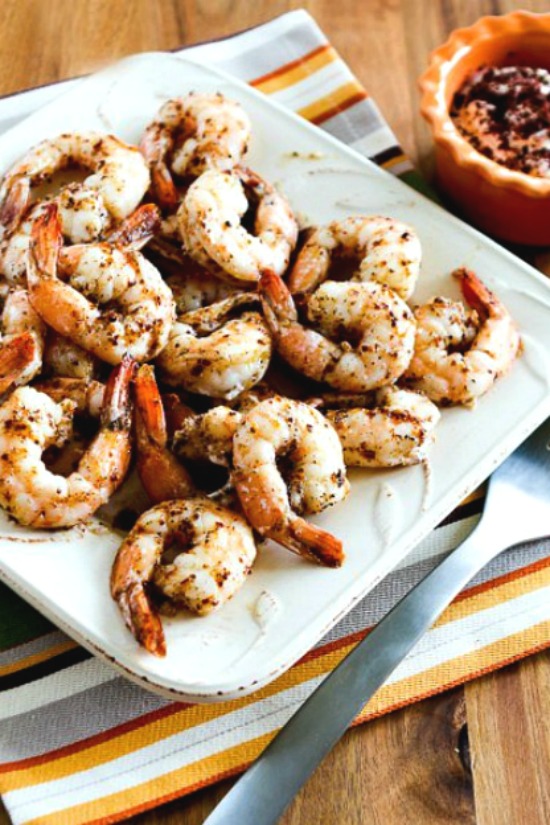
[[14, 248], [88, 395], [277, 428], [190, 135], [162, 475], [119, 180], [387, 252], [193, 287], [214, 553], [459, 354], [139, 310], [131, 233], [22, 342], [62, 357], [379, 327], [210, 225], [208, 436], [394, 430], [30, 422], [232, 355]]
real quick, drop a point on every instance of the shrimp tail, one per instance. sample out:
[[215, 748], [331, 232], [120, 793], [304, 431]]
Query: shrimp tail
[[16, 354], [161, 474], [149, 405], [475, 292], [164, 187], [116, 413], [315, 543], [14, 205], [277, 302], [46, 242], [137, 229], [176, 412], [140, 617]]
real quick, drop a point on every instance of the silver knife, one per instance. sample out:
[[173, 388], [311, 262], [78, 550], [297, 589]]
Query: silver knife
[[517, 509]]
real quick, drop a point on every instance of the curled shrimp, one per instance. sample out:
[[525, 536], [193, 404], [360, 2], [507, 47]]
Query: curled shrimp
[[378, 325], [162, 475], [277, 428], [459, 354], [193, 287], [88, 395], [119, 180], [22, 342], [394, 428], [139, 309], [213, 550], [210, 225], [131, 234], [190, 135], [208, 436], [62, 357], [387, 251], [210, 353], [30, 422]]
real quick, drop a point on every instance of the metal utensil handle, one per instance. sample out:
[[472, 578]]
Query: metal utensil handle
[[262, 794]]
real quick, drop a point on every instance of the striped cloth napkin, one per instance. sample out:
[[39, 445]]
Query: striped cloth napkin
[[80, 744]]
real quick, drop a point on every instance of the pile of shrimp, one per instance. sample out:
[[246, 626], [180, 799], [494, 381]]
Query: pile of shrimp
[[170, 301]]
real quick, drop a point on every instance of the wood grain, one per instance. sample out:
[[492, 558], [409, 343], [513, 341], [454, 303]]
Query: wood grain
[[412, 766]]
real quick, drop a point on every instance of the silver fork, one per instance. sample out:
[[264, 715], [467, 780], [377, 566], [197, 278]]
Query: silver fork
[[517, 509]]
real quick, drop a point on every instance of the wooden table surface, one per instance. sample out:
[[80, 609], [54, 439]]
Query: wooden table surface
[[478, 754]]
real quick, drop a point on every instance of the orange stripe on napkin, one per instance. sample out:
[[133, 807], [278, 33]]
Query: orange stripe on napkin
[[296, 70], [37, 658], [176, 718], [334, 103]]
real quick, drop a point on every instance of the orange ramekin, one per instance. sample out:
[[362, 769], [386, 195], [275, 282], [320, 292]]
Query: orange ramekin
[[510, 205]]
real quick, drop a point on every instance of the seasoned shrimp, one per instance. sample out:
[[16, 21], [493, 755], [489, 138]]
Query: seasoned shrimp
[[30, 422], [119, 180], [232, 355], [198, 289], [210, 225], [62, 357], [132, 233], [379, 327], [214, 551], [114, 303], [88, 395], [190, 135], [162, 475], [459, 354], [277, 428], [394, 430], [22, 342], [208, 436], [387, 252]]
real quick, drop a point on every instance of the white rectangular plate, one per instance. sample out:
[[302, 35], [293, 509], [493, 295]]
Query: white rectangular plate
[[287, 604]]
